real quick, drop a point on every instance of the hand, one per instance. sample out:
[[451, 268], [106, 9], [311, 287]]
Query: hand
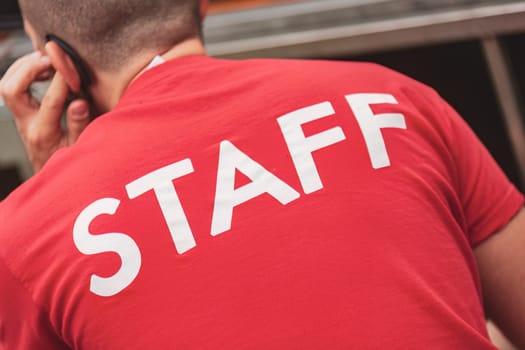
[[39, 122]]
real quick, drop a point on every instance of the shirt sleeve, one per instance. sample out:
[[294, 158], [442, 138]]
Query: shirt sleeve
[[489, 200], [23, 325]]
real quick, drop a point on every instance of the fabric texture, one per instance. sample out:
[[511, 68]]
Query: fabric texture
[[258, 204]]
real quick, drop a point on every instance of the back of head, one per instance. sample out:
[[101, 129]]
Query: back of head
[[107, 33]]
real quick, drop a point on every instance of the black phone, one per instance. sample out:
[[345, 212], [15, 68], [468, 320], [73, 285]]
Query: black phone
[[80, 66]]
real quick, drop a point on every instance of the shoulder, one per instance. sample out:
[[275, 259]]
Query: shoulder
[[352, 76], [318, 67]]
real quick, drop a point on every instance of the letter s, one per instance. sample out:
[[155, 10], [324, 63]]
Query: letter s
[[119, 243]]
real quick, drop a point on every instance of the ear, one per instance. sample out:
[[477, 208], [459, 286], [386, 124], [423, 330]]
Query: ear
[[204, 9], [63, 63]]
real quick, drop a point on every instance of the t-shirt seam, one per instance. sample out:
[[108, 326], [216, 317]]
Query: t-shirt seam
[[504, 211]]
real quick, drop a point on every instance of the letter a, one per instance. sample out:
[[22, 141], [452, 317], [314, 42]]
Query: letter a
[[227, 197]]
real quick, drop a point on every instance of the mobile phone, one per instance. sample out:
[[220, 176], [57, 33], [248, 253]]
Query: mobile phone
[[80, 66]]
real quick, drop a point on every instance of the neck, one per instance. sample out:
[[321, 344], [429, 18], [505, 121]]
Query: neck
[[116, 82]]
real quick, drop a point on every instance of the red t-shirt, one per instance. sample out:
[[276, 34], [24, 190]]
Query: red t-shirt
[[259, 204]]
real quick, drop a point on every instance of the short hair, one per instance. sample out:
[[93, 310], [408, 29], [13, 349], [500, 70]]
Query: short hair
[[106, 33]]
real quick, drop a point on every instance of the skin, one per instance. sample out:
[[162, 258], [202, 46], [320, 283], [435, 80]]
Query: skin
[[39, 123], [502, 271], [500, 258]]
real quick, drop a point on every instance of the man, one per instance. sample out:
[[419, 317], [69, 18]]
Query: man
[[258, 204]]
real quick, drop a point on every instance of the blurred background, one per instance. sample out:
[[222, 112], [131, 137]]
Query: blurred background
[[470, 51]]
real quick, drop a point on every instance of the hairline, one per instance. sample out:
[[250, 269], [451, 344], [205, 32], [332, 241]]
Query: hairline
[[112, 50]]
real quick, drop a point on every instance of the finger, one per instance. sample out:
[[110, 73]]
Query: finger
[[14, 86], [77, 119], [20, 62], [47, 121], [46, 75], [24, 71]]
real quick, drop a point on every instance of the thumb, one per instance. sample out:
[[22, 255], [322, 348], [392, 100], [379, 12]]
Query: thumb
[[77, 119]]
